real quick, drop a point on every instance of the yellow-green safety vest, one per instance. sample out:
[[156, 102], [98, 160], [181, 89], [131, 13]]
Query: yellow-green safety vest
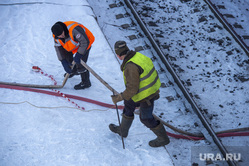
[[149, 79]]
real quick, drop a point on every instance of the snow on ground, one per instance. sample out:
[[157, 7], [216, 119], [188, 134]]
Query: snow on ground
[[34, 135]]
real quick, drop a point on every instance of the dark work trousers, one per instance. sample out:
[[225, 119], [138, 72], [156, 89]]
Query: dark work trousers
[[145, 115], [80, 67]]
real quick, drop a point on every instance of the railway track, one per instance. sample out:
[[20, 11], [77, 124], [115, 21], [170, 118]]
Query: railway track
[[235, 24], [191, 45]]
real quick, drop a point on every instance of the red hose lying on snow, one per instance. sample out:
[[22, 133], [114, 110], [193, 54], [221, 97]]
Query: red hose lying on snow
[[56, 94], [202, 138], [113, 106]]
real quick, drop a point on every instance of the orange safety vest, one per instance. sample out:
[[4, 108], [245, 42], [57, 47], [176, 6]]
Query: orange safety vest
[[72, 45]]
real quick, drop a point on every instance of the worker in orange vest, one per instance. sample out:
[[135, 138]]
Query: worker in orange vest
[[73, 42]]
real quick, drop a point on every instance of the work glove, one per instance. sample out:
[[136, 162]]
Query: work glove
[[77, 57], [66, 66], [117, 98], [74, 72]]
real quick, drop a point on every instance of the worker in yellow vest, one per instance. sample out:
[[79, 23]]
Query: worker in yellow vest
[[72, 38], [142, 89]]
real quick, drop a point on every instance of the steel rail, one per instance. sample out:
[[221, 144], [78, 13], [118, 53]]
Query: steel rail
[[228, 26], [179, 83]]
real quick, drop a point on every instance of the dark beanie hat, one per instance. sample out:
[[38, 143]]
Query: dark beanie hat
[[57, 29], [121, 48]]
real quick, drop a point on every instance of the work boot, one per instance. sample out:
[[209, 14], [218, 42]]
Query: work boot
[[125, 123], [162, 137], [85, 81], [82, 85]]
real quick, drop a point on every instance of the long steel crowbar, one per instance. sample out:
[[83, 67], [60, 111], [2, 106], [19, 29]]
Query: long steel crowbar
[[110, 88]]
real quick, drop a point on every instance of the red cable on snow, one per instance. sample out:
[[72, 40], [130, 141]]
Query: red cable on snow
[[202, 138], [185, 137], [233, 134], [57, 94], [119, 107]]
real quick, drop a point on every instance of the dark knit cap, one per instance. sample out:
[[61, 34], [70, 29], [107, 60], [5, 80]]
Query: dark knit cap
[[121, 48], [57, 29]]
